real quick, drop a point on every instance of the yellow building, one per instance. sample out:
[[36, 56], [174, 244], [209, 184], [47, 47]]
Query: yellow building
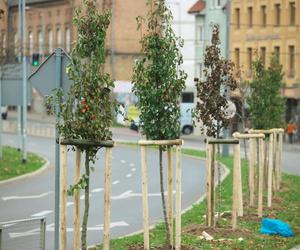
[[263, 27]]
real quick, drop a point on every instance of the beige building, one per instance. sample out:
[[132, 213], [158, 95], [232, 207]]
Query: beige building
[[49, 25], [263, 27]]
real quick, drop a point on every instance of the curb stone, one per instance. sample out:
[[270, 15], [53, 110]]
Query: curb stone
[[29, 175]]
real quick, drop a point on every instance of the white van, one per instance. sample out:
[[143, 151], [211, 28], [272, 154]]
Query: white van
[[186, 106]]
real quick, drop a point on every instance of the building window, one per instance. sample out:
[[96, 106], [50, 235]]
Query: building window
[[16, 44], [200, 34], [249, 54], [250, 17], [40, 42], [50, 41], [30, 43], [277, 52], [237, 57], [263, 15], [277, 14], [292, 13], [237, 18], [200, 71], [263, 55], [68, 39], [58, 37], [291, 61], [218, 3]]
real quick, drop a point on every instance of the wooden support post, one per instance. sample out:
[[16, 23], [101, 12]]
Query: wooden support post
[[178, 198], [170, 193], [270, 169], [76, 237], [237, 152], [145, 197], [235, 191], [280, 142], [63, 198], [274, 174], [107, 192], [252, 163], [210, 184], [261, 176]]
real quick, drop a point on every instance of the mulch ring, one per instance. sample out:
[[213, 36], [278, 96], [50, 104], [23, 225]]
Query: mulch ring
[[141, 247], [219, 232]]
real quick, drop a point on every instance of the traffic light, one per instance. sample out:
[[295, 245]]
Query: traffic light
[[35, 60]]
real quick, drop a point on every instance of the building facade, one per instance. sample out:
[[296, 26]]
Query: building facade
[[261, 28], [208, 13], [49, 25]]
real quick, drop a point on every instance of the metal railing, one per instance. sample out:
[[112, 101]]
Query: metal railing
[[28, 234]]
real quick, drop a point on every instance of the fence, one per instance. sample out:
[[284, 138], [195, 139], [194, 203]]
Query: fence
[[26, 234]]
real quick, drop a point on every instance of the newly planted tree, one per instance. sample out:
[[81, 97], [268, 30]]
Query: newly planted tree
[[158, 81], [266, 105], [219, 78], [87, 111]]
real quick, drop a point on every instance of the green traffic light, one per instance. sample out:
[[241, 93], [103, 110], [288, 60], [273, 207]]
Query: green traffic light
[[35, 63]]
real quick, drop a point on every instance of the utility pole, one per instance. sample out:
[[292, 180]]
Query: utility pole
[[225, 148], [24, 117], [19, 109]]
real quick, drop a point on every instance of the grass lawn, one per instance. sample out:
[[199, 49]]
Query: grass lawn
[[286, 206], [11, 166]]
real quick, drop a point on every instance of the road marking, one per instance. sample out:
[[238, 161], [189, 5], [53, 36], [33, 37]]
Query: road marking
[[130, 194], [50, 227], [123, 161], [82, 197], [116, 182], [97, 190], [26, 197], [131, 165], [70, 203], [128, 175], [133, 169], [43, 213]]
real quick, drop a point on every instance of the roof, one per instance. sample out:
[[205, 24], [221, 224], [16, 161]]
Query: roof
[[197, 7], [12, 3]]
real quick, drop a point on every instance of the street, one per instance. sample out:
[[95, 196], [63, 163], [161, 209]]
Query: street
[[34, 197]]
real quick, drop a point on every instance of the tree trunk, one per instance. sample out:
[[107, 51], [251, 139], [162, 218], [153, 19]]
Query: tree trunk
[[168, 240], [86, 202]]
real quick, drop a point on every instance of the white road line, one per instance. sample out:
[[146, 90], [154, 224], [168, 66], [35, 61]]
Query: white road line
[[82, 197], [97, 190], [116, 182], [129, 194], [133, 169], [26, 197], [131, 165], [123, 161], [128, 175], [50, 227], [43, 213]]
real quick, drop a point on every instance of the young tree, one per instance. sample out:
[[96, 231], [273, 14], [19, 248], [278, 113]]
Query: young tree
[[158, 81], [87, 111], [266, 105], [219, 79]]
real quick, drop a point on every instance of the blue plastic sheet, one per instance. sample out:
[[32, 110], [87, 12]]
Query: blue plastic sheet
[[278, 227]]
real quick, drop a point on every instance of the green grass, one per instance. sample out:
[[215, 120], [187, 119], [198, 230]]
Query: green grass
[[286, 207], [11, 166]]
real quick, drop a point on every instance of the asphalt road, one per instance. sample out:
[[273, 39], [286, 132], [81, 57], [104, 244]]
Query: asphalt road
[[34, 197]]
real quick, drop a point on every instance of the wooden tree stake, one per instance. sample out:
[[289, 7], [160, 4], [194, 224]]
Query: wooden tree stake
[[107, 192], [170, 192], [237, 153], [252, 163], [261, 176], [280, 142], [210, 185], [76, 239], [145, 197], [270, 169], [235, 191], [178, 198], [63, 198]]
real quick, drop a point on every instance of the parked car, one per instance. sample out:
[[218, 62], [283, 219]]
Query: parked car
[[4, 110], [186, 105]]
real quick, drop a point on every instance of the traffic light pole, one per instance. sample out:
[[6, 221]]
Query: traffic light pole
[[24, 117]]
